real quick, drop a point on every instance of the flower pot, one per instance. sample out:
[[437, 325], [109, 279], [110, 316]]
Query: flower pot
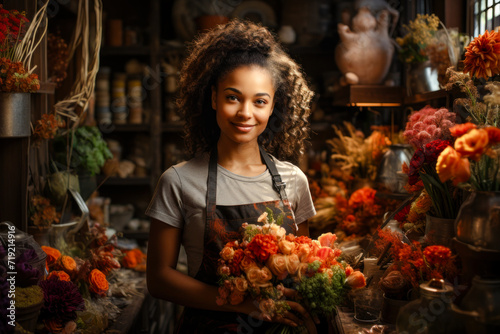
[[478, 220], [390, 309], [421, 78], [27, 317], [439, 231], [15, 115]]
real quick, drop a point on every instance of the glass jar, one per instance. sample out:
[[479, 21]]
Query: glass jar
[[431, 313]]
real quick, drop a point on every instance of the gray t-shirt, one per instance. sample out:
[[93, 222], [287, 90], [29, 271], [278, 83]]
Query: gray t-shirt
[[180, 198]]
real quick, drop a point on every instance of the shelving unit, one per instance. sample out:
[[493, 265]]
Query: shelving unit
[[156, 127]]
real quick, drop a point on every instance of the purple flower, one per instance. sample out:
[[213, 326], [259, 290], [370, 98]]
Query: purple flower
[[61, 300], [27, 275]]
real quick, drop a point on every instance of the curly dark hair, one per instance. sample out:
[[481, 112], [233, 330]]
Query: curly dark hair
[[216, 53]]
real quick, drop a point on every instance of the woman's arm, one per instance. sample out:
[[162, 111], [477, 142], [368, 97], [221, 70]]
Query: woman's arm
[[303, 229]]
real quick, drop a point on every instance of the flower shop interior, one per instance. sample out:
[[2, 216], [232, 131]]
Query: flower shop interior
[[403, 162]]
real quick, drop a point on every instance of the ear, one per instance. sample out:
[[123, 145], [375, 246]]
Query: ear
[[214, 98]]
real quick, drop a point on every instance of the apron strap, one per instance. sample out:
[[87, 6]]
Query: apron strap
[[278, 184]]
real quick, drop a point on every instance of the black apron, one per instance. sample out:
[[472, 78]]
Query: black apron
[[223, 225]]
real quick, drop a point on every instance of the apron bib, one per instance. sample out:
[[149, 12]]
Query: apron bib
[[223, 225]]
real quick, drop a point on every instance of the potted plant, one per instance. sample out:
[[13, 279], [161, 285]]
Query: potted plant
[[85, 152], [18, 40]]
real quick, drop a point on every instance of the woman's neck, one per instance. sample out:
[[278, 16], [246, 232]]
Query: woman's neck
[[242, 159]]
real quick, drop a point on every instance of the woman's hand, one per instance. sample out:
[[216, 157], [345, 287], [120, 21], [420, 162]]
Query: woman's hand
[[297, 315]]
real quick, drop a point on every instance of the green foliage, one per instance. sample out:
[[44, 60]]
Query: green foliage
[[86, 147], [320, 294]]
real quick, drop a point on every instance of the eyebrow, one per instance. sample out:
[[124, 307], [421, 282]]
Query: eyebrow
[[237, 91]]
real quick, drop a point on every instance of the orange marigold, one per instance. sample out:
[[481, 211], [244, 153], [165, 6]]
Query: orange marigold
[[98, 283], [482, 55], [262, 246], [59, 274], [53, 255], [67, 263], [461, 129]]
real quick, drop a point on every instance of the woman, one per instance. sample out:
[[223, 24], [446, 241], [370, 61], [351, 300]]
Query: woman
[[241, 97]]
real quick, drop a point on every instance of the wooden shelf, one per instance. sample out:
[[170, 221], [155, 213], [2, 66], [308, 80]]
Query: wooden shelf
[[368, 95], [424, 97], [173, 127], [124, 128]]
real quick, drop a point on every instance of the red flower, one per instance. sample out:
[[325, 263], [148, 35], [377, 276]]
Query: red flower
[[401, 215], [437, 255], [416, 163], [461, 129], [262, 246], [434, 149], [493, 135], [234, 264]]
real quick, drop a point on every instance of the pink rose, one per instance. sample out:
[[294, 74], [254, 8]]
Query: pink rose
[[224, 270], [277, 264], [236, 297], [325, 253], [292, 262], [287, 247], [327, 239], [241, 284], [227, 253]]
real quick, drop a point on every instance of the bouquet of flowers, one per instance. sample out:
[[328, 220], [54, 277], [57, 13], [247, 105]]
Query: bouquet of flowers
[[17, 44], [266, 260], [420, 34], [474, 158], [428, 131]]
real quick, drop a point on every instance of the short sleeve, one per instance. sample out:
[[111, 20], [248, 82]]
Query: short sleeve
[[304, 203], [166, 204]]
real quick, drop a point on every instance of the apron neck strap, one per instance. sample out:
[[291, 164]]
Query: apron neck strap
[[278, 184]]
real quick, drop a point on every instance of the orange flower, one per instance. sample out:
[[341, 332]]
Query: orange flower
[[67, 263], [59, 274], [472, 144], [356, 280], [52, 255], [262, 246], [129, 260], [493, 135], [98, 282], [482, 55], [450, 165], [461, 129]]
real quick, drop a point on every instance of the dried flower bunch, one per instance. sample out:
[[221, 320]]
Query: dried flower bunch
[[356, 155], [16, 48], [44, 214], [420, 34]]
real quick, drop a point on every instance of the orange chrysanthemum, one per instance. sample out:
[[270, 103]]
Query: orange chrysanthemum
[[262, 246], [482, 55], [98, 282], [52, 255], [461, 129], [59, 274]]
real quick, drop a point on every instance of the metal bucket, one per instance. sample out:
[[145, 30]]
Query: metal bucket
[[15, 115]]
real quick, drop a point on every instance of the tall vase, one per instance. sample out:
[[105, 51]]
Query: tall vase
[[421, 78], [15, 115], [439, 231]]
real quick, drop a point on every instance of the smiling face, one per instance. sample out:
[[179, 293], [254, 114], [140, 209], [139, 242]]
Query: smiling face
[[244, 101]]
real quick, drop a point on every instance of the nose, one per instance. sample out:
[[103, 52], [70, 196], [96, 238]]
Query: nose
[[245, 110]]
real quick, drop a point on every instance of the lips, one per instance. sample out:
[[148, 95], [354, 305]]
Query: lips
[[244, 127]]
